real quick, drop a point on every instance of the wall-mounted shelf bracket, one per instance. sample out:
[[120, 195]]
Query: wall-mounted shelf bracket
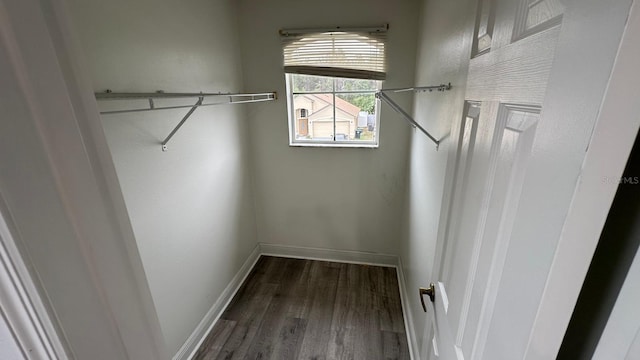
[[384, 97], [227, 98], [184, 119]]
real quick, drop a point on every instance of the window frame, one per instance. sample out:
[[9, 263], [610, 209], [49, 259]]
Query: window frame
[[330, 143]]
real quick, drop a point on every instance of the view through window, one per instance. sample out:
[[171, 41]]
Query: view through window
[[332, 110]]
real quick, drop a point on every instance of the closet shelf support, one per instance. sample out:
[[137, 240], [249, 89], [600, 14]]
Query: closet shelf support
[[184, 119], [229, 98], [381, 94]]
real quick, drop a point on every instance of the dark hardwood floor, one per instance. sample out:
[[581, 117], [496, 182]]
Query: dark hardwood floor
[[304, 309]]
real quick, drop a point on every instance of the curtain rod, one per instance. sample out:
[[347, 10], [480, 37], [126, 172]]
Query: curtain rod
[[370, 29]]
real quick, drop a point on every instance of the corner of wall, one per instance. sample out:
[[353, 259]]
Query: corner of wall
[[199, 334]]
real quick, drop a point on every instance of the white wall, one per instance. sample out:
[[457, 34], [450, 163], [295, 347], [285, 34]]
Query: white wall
[[191, 207], [338, 198], [443, 53], [56, 196]]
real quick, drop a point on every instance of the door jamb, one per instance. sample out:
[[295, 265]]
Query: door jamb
[[26, 314], [611, 143]]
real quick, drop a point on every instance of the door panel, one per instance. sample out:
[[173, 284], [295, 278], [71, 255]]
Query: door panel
[[537, 15], [467, 139], [441, 324], [516, 73], [485, 20], [506, 86], [462, 249], [510, 153], [536, 88], [302, 127]]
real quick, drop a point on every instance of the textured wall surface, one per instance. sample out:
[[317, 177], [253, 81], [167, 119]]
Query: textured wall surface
[[443, 53], [338, 198], [191, 207]]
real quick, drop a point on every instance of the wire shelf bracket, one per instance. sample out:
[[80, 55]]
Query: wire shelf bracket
[[382, 95], [226, 98]]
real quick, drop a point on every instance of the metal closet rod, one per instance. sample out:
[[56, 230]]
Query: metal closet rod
[[109, 95], [441, 87], [384, 97], [247, 98]]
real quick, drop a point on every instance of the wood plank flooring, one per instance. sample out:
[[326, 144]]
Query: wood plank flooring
[[312, 310]]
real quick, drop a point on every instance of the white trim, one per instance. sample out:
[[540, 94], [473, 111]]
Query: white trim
[[611, 143], [355, 257], [21, 306], [46, 61], [84, 105], [293, 142], [343, 256], [409, 327], [334, 144], [189, 348]]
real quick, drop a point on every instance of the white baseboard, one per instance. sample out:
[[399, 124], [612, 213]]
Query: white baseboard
[[189, 348], [348, 256], [198, 335], [407, 313], [356, 257]]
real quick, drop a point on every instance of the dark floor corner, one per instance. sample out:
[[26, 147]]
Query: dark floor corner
[[305, 309]]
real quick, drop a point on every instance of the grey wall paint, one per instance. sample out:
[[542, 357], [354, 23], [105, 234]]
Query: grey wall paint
[[338, 198], [443, 53], [54, 194], [191, 207]]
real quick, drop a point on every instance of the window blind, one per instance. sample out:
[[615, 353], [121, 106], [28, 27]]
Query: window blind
[[350, 54]]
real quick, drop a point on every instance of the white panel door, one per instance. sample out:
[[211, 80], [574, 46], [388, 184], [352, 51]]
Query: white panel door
[[9, 349], [498, 243]]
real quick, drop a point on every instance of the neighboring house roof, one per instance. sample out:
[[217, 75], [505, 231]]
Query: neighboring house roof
[[341, 104], [326, 114]]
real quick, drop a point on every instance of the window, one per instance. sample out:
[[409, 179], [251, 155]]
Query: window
[[332, 78], [332, 111]]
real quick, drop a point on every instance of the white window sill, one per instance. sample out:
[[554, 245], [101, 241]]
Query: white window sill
[[334, 144]]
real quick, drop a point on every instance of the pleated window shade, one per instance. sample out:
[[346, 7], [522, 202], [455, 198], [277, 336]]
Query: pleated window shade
[[359, 55]]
